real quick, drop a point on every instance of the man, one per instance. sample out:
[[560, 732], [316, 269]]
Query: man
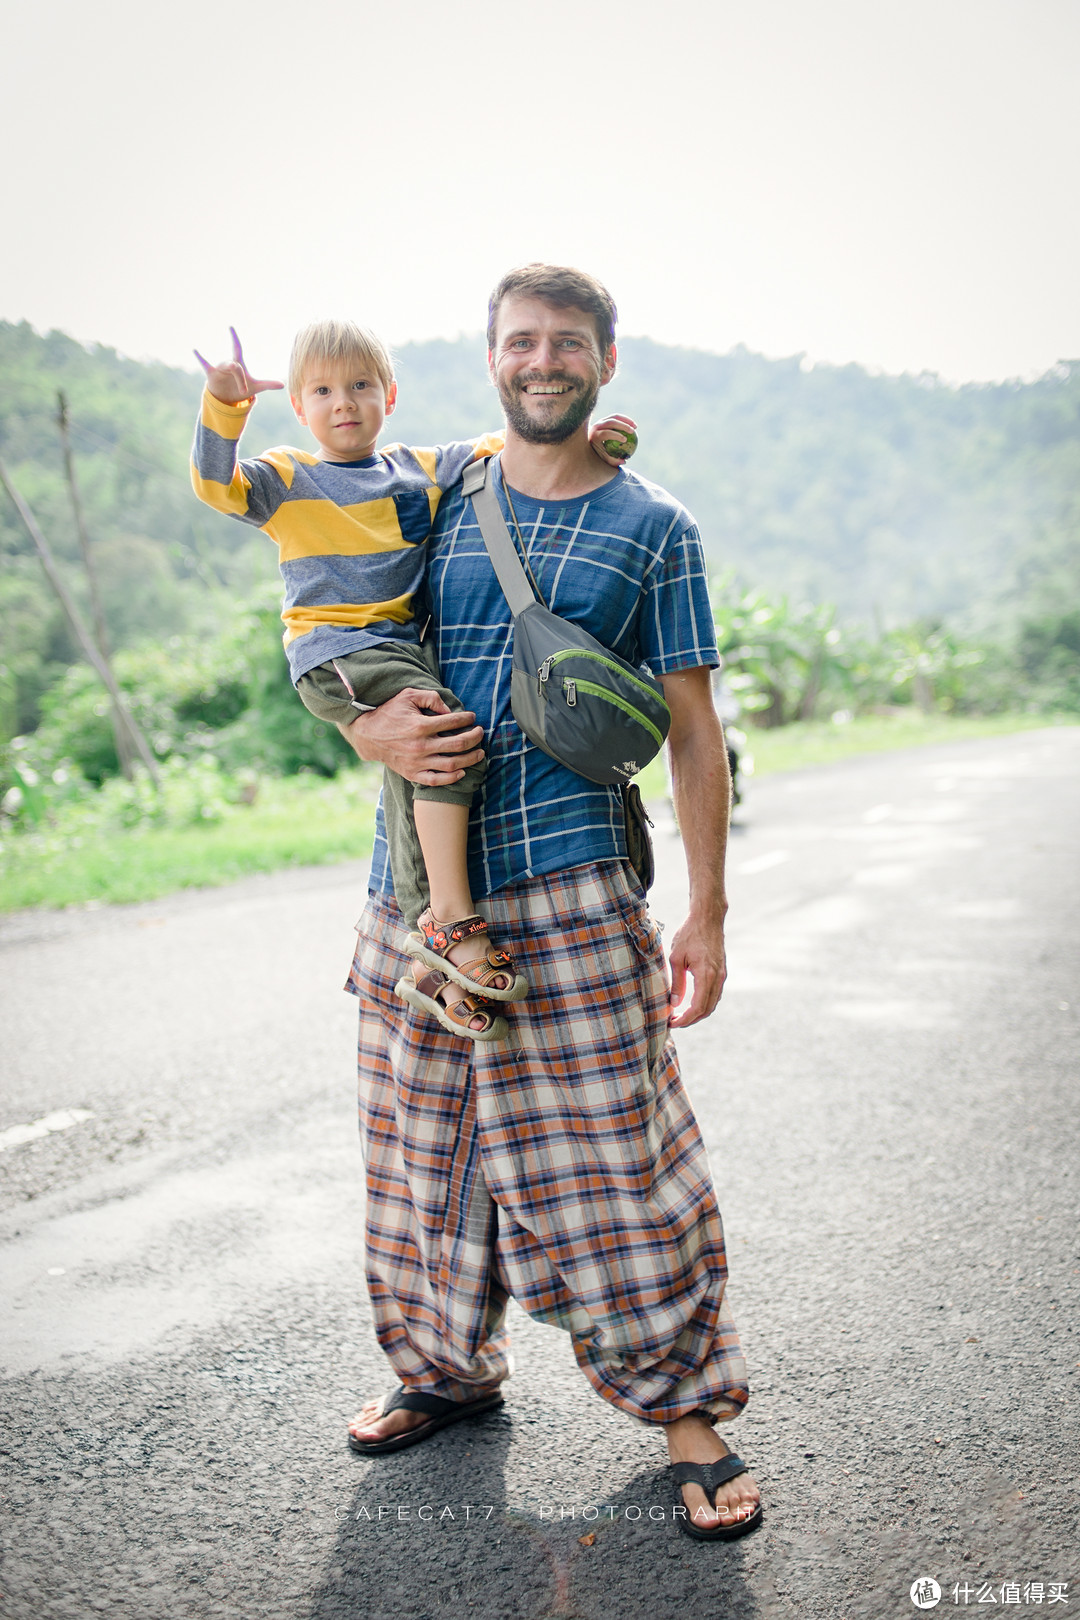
[[563, 1167]]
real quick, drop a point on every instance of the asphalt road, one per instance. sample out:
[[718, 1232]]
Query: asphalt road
[[889, 1097]]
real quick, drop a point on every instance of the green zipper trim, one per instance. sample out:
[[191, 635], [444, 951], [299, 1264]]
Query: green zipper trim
[[583, 652], [620, 703]]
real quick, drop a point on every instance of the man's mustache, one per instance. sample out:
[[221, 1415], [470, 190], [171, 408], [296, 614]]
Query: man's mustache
[[546, 377]]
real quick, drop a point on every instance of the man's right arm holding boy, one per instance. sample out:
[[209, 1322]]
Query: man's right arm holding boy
[[409, 735]]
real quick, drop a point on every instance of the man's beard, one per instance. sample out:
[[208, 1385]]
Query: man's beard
[[552, 431]]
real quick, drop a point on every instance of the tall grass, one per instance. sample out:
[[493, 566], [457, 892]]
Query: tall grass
[[296, 821], [309, 821]]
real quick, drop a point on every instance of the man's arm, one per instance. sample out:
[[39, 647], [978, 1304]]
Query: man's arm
[[409, 734], [702, 792]]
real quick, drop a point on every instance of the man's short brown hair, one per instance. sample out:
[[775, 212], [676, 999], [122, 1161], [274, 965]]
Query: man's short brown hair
[[563, 288]]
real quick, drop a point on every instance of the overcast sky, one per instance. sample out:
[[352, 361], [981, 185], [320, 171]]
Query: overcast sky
[[857, 179]]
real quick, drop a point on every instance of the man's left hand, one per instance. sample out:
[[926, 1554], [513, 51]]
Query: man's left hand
[[697, 950]]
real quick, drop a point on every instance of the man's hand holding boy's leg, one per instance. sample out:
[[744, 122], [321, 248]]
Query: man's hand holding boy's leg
[[416, 735]]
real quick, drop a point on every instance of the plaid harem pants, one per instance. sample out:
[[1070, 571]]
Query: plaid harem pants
[[563, 1167]]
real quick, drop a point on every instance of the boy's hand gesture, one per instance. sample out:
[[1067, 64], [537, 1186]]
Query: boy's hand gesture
[[614, 439], [232, 382]]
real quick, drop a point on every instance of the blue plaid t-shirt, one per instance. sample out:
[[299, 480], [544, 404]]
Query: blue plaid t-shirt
[[625, 563]]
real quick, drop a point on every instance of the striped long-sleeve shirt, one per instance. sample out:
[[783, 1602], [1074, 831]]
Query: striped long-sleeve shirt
[[350, 535]]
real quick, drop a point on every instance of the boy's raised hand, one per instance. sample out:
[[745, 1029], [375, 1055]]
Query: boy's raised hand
[[614, 439], [233, 382]]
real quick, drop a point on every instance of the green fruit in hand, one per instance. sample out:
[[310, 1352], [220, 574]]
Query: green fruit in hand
[[614, 448]]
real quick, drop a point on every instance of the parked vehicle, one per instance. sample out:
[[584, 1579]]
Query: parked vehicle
[[740, 760]]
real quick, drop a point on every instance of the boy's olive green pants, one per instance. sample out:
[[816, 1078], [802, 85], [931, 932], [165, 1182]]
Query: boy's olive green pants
[[341, 690]]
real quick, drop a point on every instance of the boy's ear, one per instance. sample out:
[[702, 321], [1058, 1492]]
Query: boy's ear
[[391, 397], [298, 408]]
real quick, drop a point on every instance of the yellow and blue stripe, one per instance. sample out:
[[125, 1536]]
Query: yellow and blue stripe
[[350, 536]]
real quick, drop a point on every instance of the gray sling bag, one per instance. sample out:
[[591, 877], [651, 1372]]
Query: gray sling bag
[[574, 698]]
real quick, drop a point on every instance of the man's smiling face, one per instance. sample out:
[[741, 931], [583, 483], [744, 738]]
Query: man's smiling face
[[548, 367]]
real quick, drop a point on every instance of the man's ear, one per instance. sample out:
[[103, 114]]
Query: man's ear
[[391, 397], [608, 367], [298, 408], [491, 364]]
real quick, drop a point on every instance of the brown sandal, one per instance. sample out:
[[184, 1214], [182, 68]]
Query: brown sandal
[[431, 941], [423, 994]]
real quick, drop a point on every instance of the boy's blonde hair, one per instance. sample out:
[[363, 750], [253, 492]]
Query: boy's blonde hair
[[338, 340]]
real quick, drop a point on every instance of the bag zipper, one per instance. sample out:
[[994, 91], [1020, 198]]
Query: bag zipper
[[609, 663], [592, 690], [543, 674]]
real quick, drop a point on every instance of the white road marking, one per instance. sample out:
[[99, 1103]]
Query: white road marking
[[762, 863], [878, 813], [62, 1120], [985, 910]]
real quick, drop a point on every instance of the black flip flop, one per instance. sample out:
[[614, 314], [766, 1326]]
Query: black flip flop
[[440, 1413], [710, 1476]]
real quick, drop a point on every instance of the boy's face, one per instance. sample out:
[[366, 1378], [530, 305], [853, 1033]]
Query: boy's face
[[344, 406]]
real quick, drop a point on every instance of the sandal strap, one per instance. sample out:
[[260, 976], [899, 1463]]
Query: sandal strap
[[475, 1006], [496, 964], [710, 1476], [415, 1400], [440, 936]]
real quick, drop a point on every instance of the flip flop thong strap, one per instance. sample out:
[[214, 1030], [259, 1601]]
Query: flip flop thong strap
[[728, 1467], [710, 1476], [414, 1400]]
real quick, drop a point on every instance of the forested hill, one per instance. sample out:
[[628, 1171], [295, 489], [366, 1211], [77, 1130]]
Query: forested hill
[[895, 496]]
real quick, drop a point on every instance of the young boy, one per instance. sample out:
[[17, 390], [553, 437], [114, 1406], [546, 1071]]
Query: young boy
[[351, 523]]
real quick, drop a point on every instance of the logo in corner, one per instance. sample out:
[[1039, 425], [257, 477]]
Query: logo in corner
[[925, 1593]]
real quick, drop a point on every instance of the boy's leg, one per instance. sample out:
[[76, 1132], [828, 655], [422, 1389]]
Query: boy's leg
[[370, 677], [341, 689], [442, 829], [435, 855], [403, 845]]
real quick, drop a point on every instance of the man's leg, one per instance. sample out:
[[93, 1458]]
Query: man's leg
[[629, 1256], [438, 1309]]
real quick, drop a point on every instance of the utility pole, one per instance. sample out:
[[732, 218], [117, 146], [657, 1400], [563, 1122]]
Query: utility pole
[[75, 618], [124, 750]]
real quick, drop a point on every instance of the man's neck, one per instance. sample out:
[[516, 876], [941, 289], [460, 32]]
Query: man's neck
[[551, 472]]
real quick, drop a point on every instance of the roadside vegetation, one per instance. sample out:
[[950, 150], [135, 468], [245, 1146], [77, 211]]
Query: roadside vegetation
[[250, 782], [956, 510]]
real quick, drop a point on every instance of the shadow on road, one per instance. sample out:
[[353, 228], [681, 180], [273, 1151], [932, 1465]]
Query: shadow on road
[[430, 1534]]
